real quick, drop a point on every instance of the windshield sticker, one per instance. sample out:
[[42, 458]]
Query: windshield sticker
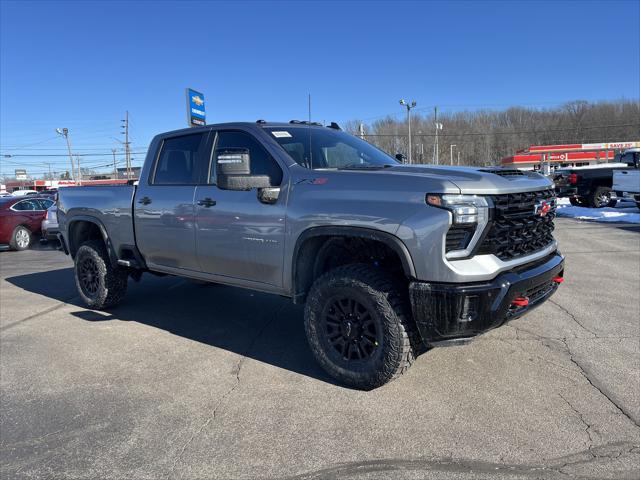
[[281, 134]]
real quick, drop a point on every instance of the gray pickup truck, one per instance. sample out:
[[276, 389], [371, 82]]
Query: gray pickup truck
[[390, 259]]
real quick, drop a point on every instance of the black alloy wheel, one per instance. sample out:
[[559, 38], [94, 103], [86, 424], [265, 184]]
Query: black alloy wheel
[[351, 329], [89, 276]]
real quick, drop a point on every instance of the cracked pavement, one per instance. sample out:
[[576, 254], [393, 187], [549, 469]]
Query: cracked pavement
[[191, 381]]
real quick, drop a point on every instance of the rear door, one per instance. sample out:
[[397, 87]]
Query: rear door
[[238, 236], [30, 213], [163, 205]]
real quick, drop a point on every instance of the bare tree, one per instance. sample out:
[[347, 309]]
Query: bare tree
[[486, 136]]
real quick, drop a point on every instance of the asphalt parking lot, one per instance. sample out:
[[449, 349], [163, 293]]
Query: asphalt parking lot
[[194, 381]]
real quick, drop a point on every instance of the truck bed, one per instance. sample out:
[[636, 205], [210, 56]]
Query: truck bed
[[111, 205]]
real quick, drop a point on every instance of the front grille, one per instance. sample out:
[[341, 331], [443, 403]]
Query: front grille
[[515, 229], [459, 236]]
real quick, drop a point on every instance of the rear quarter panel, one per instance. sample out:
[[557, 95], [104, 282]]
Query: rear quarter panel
[[108, 206]]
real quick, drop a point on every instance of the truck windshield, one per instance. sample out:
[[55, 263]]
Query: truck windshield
[[325, 148]]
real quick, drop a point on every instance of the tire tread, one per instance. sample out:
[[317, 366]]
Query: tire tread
[[115, 279], [385, 288]]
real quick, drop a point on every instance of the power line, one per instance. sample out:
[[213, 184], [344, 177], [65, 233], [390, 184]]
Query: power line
[[75, 154], [508, 133]]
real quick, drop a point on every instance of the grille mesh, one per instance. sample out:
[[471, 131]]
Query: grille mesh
[[516, 230]]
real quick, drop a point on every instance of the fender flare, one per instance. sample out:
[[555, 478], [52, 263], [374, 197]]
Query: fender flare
[[113, 257], [388, 239]]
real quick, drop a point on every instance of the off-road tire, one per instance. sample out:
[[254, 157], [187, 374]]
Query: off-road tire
[[99, 284], [386, 301], [20, 238], [597, 198]]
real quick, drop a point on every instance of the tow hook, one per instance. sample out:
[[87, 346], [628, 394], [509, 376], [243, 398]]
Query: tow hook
[[558, 279], [520, 302]]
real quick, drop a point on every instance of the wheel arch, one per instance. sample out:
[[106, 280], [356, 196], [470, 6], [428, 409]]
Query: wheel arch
[[83, 228], [314, 242]]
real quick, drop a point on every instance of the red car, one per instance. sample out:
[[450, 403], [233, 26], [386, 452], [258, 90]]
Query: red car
[[20, 220]]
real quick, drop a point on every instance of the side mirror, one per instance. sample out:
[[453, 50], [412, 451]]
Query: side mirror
[[401, 158], [243, 182], [233, 170]]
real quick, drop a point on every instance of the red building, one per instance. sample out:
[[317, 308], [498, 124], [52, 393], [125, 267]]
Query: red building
[[572, 155], [40, 185]]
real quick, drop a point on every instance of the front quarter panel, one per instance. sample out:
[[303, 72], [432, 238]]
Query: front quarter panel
[[371, 200]]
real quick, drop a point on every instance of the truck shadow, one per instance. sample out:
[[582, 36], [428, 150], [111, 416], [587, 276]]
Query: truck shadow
[[266, 328]]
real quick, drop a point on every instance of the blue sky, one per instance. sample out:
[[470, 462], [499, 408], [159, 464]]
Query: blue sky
[[82, 64]]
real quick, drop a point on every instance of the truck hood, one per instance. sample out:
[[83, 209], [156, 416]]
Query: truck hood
[[481, 180]]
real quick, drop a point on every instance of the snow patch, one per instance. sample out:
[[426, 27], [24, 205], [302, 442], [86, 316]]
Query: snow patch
[[624, 211]]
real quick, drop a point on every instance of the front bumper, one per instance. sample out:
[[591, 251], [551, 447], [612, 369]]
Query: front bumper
[[445, 311]]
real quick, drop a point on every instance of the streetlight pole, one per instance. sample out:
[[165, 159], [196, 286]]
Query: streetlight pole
[[409, 107], [115, 171], [451, 152], [79, 182], [65, 133], [436, 153]]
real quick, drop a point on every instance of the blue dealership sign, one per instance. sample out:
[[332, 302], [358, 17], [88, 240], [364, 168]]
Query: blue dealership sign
[[196, 116]]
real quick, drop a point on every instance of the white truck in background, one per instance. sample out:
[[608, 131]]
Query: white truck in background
[[626, 183]]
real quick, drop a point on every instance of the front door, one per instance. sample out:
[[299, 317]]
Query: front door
[[238, 236], [163, 206]]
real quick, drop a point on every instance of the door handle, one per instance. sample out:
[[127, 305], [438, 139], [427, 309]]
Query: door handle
[[145, 201], [207, 202]]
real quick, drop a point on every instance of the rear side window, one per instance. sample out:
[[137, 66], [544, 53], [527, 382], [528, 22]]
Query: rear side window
[[180, 160], [261, 162], [45, 203], [27, 205]]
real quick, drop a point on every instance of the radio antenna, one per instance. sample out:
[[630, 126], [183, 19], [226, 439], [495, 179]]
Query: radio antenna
[[309, 124]]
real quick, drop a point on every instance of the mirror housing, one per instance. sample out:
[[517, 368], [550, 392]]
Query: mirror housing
[[233, 170], [242, 182], [401, 158], [233, 161]]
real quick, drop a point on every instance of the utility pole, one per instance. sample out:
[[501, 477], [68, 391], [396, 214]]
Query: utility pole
[[115, 171], [451, 152], [65, 133], [127, 151], [458, 157], [361, 130], [409, 107]]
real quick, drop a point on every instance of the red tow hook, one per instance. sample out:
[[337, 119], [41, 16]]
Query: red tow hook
[[558, 279], [520, 302]]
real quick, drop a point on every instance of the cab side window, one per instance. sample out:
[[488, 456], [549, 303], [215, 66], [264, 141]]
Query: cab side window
[[179, 162], [261, 162]]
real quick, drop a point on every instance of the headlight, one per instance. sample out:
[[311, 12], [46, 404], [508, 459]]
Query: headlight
[[466, 209], [470, 215]]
